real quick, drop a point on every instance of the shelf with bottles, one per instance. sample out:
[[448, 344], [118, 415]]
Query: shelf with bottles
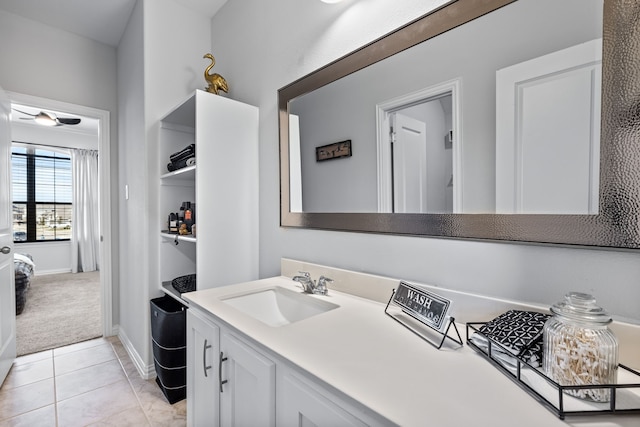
[[180, 224], [205, 122]]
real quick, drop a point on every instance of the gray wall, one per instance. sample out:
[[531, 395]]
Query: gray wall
[[262, 46], [159, 65], [134, 292]]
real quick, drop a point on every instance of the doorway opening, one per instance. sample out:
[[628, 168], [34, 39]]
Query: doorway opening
[[419, 151], [67, 235]]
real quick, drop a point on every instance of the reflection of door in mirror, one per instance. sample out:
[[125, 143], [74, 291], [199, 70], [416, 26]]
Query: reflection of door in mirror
[[409, 153], [438, 188], [422, 157], [547, 159]]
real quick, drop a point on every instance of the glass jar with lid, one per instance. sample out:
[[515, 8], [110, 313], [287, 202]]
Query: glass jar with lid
[[579, 348]]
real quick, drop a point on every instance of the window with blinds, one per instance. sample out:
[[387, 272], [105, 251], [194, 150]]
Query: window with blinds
[[42, 194]]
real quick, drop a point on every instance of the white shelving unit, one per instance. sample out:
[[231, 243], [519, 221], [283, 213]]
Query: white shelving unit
[[223, 185]]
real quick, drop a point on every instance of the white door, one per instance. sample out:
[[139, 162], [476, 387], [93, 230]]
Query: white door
[[7, 290], [247, 386], [548, 133], [203, 348], [409, 165]]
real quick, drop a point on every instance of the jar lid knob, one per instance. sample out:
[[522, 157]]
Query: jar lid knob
[[580, 299], [581, 307]]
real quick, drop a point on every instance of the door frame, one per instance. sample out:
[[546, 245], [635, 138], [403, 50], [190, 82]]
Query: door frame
[[104, 159], [385, 170], [7, 288]]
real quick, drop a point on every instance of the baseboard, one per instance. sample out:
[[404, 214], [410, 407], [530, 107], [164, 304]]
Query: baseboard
[[47, 272], [146, 371]]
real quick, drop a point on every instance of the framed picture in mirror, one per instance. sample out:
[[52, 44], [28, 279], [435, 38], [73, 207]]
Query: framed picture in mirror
[[333, 151]]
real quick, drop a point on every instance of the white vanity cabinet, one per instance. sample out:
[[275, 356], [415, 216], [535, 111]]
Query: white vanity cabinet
[[233, 381], [223, 184], [229, 383], [302, 403]]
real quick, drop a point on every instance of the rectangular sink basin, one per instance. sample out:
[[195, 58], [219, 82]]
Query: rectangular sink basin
[[279, 306]]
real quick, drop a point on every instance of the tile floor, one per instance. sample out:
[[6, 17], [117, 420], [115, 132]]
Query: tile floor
[[89, 383]]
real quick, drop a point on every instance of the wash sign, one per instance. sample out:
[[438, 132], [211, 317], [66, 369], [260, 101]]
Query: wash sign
[[425, 306]]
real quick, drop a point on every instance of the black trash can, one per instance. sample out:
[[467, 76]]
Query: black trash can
[[169, 340]]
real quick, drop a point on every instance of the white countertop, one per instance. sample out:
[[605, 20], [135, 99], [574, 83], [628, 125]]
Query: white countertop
[[376, 361]]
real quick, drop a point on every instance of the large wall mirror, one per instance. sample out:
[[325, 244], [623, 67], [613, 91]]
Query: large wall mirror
[[487, 119]]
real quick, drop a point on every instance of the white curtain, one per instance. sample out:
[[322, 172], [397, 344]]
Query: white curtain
[[85, 241]]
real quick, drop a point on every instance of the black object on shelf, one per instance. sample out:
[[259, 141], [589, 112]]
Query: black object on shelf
[[625, 395], [182, 158], [184, 284], [169, 340], [185, 153]]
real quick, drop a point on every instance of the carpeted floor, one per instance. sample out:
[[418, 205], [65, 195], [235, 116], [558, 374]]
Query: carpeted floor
[[61, 309]]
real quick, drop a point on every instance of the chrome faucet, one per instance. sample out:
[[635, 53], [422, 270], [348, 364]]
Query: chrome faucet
[[309, 285], [305, 280], [321, 287]]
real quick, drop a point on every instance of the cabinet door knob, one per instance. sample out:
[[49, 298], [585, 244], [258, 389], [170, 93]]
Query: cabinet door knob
[[204, 358], [222, 359]]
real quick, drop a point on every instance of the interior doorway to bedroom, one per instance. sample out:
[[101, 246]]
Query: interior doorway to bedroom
[[60, 227]]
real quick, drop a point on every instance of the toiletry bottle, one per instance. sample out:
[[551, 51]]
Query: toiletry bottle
[[173, 223], [188, 216], [181, 215]]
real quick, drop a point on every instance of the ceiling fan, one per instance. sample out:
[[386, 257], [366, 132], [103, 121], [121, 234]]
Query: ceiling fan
[[49, 119]]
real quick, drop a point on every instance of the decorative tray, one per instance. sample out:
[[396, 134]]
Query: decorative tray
[[625, 394]]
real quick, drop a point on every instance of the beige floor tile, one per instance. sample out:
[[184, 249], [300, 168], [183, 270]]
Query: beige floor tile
[[19, 400], [43, 417], [180, 407], [120, 350], [129, 368], [80, 346], [27, 373], [167, 418], [96, 405], [68, 362], [112, 339], [95, 382], [87, 379], [33, 357], [132, 417], [148, 392], [156, 406]]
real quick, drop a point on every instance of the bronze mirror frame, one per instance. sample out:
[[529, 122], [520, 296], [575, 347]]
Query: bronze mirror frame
[[618, 223]]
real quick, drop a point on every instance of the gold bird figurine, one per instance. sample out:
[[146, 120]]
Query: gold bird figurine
[[216, 81]]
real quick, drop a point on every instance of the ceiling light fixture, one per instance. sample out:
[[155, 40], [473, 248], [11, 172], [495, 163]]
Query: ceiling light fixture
[[45, 119]]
